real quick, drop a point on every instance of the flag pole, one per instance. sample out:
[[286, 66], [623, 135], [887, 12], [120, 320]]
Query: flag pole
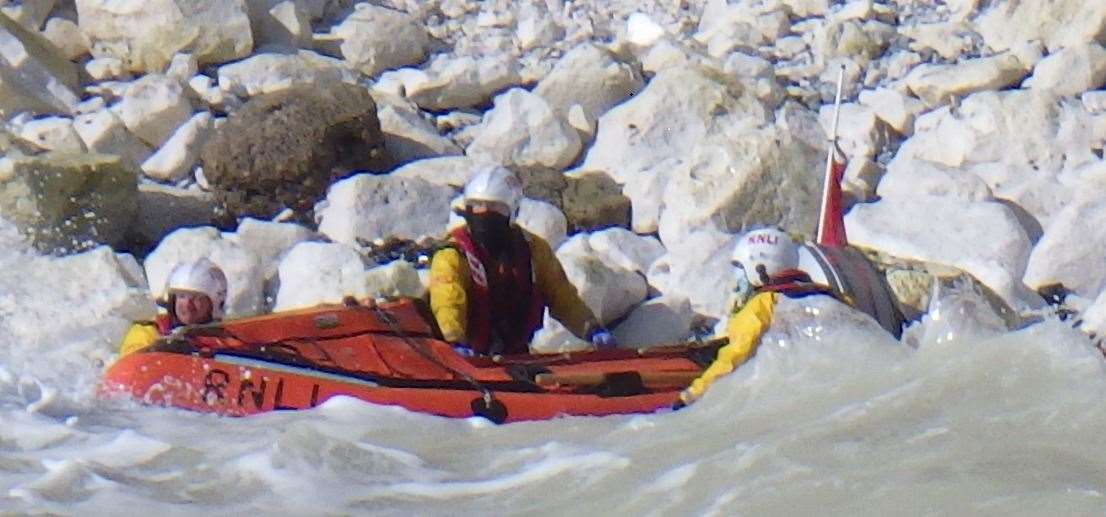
[[827, 184]]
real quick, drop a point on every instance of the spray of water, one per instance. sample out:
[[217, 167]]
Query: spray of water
[[831, 416]]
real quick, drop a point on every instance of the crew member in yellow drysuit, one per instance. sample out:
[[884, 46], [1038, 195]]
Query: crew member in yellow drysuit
[[769, 259], [490, 287], [196, 293]]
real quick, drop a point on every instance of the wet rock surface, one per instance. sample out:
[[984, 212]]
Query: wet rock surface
[[282, 150]]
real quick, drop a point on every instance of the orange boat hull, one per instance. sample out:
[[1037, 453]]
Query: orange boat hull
[[302, 359]]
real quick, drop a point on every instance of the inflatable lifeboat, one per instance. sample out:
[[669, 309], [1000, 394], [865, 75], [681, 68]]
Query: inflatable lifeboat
[[387, 354]]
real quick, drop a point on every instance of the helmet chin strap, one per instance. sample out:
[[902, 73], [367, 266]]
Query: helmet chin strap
[[762, 273]]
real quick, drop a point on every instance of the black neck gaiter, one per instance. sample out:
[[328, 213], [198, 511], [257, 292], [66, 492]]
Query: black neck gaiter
[[490, 230]]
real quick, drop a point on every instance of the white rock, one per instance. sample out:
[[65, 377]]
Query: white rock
[[523, 130], [934, 84], [860, 133], [182, 67], [908, 179], [408, 136], [102, 131], [146, 34], [91, 105], [609, 291], [553, 338], [375, 39], [642, 30], [453, 171], [69, 39], [53, 134], [894, 108], [698, 269], [153, 107], [732, 184], [270, 241], [948, 39], [632, 137], [270, 72], [450, 83], [286, 24], [1056, 24], [660, 321], [592, 78], [862, 175], [637, 147], [537, 28], [368, 207], [111, 91], [667, 54], [1094, 102], [626, 249], [34, 76], [1015, 128], [899, 64], [29, 14], [105, 68], [854, 10], [319, 272], [1018, 142], [1073, 249], [983, 239], [397, 279], [245, 274], [1070, 71], [725, 27], [757, 75], [210, 94], [543, 220], [174, 160]]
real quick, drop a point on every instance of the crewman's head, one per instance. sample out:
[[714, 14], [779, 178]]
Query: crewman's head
[[765, 253], [491, 201], [197, 292]]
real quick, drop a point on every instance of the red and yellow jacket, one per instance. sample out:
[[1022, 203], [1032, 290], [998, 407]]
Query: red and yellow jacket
[[143, 334], [746, 326], [462, 303]]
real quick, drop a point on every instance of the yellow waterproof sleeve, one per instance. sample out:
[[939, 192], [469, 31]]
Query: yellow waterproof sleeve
[[744, 330], [449, 279], [565, 304], [139, 336]]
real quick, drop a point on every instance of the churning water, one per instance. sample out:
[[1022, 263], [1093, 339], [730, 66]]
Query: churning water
[[837, 420]]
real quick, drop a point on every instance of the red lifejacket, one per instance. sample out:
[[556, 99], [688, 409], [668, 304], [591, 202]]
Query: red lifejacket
[[794, 284], [504, 323], [164, 324]]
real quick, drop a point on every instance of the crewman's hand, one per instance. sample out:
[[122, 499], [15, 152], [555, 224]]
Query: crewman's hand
[[602, 339], [685, 398], [464, 350]]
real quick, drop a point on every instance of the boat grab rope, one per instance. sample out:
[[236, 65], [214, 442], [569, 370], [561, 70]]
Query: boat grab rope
[[496, 411]]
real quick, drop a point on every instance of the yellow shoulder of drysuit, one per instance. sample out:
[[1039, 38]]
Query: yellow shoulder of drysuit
[[449, 278], [565, 304], [744, 330], [139, 336]]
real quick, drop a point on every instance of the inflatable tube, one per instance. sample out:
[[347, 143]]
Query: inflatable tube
[[849, 273]]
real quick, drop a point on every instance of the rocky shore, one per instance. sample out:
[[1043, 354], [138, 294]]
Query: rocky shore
[[286, 140]]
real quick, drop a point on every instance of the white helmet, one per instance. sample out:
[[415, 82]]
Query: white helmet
[[496, 184], [201, 277], [771, 248]]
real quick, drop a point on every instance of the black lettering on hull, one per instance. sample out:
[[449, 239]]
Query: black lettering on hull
[[215, 385], [258, 395]]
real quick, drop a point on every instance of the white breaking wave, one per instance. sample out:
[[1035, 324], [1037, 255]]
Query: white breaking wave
[[837, 419]]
